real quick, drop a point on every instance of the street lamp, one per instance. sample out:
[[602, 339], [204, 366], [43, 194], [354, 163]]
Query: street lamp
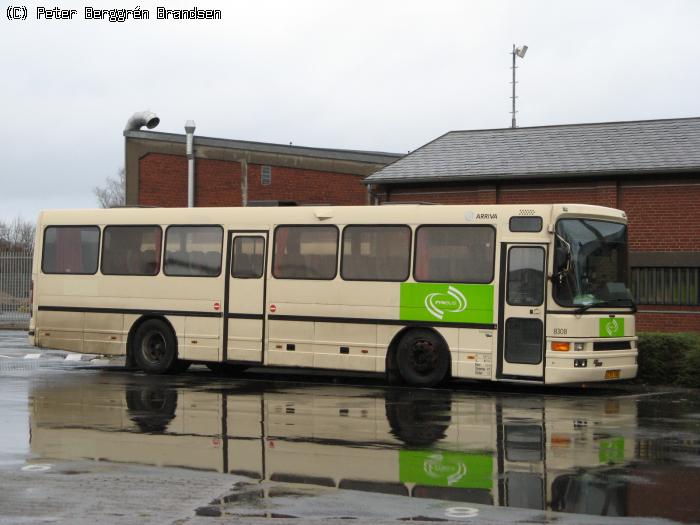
[[517, 51]]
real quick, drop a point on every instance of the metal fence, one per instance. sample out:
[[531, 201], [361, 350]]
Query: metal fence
[[15, 288]]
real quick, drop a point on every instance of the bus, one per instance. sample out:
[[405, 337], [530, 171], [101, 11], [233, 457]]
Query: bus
[[420, 293]]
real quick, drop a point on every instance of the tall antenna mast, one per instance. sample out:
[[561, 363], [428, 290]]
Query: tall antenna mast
[[517, 51]]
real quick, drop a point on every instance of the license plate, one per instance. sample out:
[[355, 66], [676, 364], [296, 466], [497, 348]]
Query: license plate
[[612, 374]]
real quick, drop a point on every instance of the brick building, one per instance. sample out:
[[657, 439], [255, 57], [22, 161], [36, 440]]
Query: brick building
[[156, 172], [650, 169]]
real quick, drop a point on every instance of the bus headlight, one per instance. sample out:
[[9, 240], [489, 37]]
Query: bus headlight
[[578, 347]]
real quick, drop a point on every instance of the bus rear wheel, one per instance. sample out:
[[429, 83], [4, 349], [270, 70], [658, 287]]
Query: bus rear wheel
[[423, 358], [155, 348]]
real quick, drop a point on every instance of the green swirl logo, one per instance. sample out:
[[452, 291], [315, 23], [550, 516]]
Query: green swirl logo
[[438, 303], [437, 467], [611, 327]]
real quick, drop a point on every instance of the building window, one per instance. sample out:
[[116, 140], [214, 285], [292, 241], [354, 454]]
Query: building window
[[305, 252], [266, 176], [193, 251], [131, 250], [71, 249], [664, 285], [376, 253], [454, 254]]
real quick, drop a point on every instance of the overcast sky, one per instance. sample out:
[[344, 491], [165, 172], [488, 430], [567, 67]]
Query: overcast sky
[[376, 75]]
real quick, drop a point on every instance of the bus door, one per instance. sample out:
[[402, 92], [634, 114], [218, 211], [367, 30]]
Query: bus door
[[521, 316], [244, 320]]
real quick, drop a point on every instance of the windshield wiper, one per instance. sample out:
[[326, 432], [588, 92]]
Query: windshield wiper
[[610, 302]]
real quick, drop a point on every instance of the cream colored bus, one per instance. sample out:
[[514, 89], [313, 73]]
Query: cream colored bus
[[420, 293]]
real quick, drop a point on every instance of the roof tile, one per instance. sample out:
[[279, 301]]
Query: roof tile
[[579, 149]]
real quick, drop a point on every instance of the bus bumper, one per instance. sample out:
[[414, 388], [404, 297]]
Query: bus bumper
[[590, 368]]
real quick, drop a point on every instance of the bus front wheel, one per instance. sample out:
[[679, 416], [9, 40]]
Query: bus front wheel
[[155, 348], [423, 358]]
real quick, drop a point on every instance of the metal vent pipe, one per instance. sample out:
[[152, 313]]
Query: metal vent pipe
[[140, 119], [189, 129], [135, 122]]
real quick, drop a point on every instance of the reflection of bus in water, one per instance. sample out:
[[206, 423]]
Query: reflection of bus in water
[[556, 453]]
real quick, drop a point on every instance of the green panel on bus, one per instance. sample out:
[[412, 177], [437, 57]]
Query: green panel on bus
[[611, 450], [611, 327], [448, 303], [446, 469]]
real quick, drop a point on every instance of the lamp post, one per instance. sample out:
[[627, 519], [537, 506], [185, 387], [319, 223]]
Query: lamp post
[[517, 51]]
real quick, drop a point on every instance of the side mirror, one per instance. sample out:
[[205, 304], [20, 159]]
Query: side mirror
[[562, 258]]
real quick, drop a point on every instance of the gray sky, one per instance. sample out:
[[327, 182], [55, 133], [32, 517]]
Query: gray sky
[[377, 75]]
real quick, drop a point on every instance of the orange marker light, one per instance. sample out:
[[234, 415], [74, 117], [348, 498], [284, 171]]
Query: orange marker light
[[559, 346], [561, 440]]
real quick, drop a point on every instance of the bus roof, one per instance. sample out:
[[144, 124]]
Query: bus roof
[[401, 213]]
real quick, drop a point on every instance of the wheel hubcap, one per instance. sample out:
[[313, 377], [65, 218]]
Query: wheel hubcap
[[153, 347], [423, 356]]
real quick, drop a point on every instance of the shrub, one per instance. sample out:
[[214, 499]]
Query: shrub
[[690, 375], [669, 359]]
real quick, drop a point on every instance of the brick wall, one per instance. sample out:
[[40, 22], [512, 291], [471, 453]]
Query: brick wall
[[676, 320], [163, 182], [603, 193], [664, 216], [307, 186]]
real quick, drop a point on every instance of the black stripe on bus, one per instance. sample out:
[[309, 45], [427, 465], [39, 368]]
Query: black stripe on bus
[[84, 309], [234, 315], [590, 312], [274, 317], [356, 320]]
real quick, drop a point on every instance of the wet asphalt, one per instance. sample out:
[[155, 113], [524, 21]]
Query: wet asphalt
[[82, 440]]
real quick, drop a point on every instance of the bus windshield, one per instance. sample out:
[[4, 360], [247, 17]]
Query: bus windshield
[[590, 264]]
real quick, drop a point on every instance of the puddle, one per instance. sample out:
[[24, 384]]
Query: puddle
[[604, 455]]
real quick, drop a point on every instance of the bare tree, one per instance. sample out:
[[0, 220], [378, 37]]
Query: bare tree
[[114, 191], [17, 235]]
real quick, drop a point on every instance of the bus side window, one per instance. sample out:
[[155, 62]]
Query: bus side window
[[131, 250], [193, 251], [454, 254], [526, 276], [70, 250], [376, 253], [248, 257], [525, 224], [305, 252]]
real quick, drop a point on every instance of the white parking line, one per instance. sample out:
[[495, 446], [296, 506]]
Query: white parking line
[[37, 467]]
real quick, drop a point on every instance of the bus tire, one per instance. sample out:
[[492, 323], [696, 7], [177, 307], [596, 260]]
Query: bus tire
[[155, 348], [423, 358]]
